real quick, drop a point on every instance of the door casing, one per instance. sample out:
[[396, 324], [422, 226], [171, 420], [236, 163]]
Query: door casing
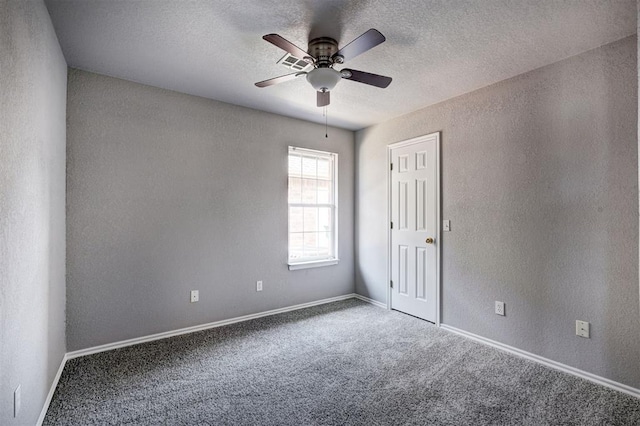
[[435, 137]]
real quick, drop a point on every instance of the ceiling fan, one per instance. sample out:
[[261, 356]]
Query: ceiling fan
[[323, 54]]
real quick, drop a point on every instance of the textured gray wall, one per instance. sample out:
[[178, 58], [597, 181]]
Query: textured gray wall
[[169, 192], [33, 81], [539, 180]]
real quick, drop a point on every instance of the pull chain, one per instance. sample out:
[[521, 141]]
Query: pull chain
[[326, 120]]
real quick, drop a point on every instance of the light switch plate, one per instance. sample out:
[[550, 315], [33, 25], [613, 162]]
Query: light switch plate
[[582, 329], [195, 296], [446, 225]]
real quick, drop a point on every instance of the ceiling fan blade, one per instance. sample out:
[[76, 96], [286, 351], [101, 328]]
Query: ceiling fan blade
[[366, 78], [323, 99], [285, 45], [366, 41], [281, 79]]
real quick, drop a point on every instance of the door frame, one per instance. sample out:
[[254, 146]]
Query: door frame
[[431, 136]]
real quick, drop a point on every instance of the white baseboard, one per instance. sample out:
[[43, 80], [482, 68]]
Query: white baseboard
[[547, 362], [52, 390], [373, 302], [187, 330]]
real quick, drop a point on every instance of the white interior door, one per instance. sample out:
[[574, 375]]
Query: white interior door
[[415, 227]]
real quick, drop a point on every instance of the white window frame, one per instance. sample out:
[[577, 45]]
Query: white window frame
[[332, 259]]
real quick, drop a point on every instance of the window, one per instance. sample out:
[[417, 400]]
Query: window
[[313, 209]]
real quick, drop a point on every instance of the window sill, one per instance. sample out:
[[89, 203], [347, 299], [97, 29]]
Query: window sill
[[312, 264]]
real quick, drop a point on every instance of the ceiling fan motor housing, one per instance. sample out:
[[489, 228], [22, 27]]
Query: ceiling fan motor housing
[[322, 49]]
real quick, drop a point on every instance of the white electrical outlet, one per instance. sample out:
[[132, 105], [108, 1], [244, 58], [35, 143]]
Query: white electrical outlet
[[582, 329], [259, 286], [195, 296], [499, 308], [16, 401]]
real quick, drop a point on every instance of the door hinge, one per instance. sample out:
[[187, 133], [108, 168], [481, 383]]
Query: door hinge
[[391, 164], [391, 225], [391, 283]]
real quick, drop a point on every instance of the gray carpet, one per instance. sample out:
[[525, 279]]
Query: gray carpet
[[345, 363]]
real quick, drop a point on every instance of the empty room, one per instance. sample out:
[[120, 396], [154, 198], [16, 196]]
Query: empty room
[[319, 212]]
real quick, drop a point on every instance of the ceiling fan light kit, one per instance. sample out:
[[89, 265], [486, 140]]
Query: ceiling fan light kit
[[323, 54], [323, 79]]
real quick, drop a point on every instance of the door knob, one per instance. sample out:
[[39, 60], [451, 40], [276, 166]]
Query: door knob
[[429, 240]]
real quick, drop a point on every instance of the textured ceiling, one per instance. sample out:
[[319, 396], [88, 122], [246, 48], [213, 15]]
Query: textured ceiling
[[435, 49]]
